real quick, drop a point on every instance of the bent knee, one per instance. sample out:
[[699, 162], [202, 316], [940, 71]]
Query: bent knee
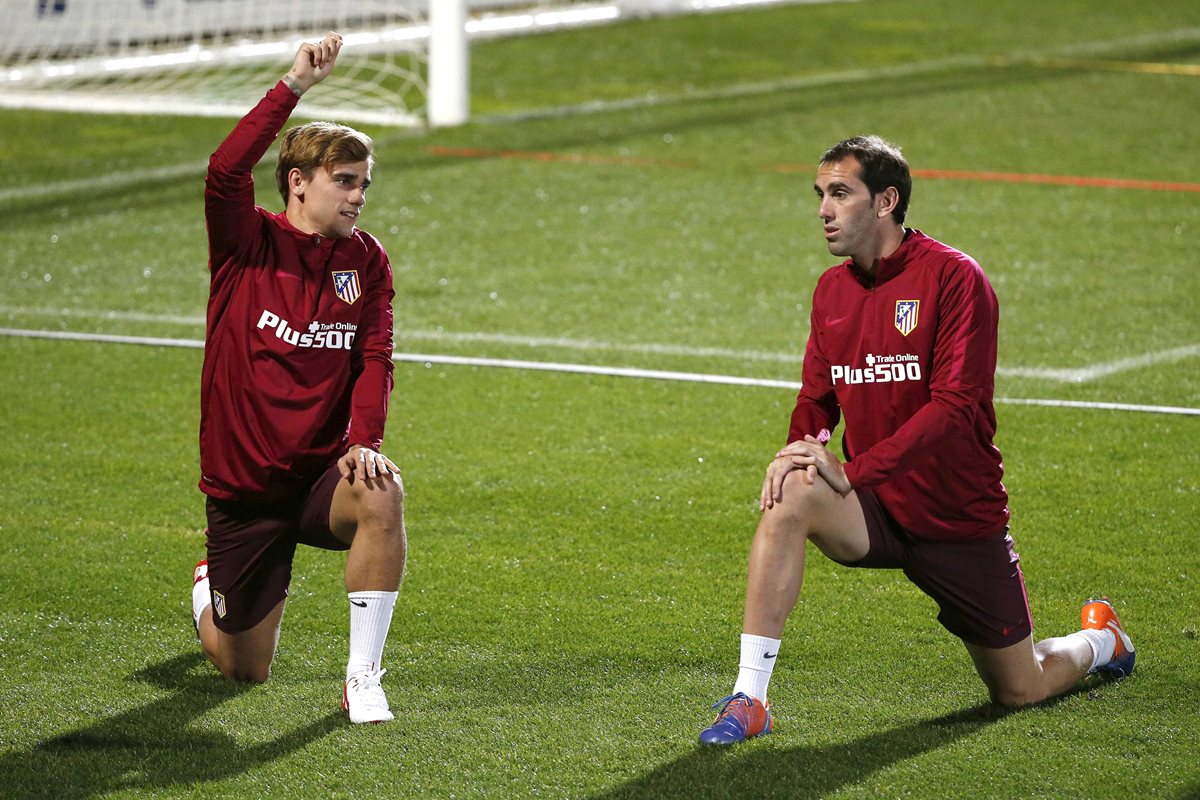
[[376, 500], [815, 510], [803, 498], [240, 673], [243, 666], [393, 484], [387, 489], [1015, 697]]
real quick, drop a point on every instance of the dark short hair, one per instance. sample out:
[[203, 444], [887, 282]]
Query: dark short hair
[[882, 166]]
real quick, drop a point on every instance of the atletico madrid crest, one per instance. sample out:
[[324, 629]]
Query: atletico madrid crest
[[906, 315], [346, 286]]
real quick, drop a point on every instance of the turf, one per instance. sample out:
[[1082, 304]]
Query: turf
[[573, 596]]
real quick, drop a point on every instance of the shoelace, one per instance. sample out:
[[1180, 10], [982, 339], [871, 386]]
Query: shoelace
[[364, 682], [730, 703]]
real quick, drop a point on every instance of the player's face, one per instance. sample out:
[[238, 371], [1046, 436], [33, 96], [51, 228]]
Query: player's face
[[331, 200], [850, 215]]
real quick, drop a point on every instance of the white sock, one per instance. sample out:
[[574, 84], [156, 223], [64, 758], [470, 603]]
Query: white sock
[[754, 668], [201, 599], [370, 618], [1103, 643]]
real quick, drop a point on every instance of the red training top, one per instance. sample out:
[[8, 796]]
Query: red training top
[[298, 353], [909, 357]]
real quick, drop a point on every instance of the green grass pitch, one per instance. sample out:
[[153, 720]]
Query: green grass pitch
[[578, 542]]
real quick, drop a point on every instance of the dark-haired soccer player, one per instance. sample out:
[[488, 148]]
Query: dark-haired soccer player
[[294, 392], [903, 344]]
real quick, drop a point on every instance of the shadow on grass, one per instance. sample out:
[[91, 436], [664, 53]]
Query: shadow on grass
[[799, 772], [151, 747]]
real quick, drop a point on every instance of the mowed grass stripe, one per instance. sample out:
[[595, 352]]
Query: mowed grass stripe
[[931, 174], [1079, 53], [1060, 58], [1144, 67]]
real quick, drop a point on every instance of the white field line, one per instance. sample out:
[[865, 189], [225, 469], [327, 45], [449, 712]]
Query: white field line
[[1056, 374], [583, 369], [107, 338], [106, 183], [591, 369], [1103, 370], [583, 345], [1020, 401], [112, 316], [597, 344]]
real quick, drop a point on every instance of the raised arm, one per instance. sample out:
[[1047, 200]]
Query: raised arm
[[229, 186]]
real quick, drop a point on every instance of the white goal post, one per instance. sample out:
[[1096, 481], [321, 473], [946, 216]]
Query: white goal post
[[404, 62]]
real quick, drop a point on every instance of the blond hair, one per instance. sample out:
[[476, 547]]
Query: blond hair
[[320, 144]]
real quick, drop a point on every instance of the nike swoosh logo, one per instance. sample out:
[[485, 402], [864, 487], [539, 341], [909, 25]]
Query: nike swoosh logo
[[770, 655], [1125, 640], [836, 320], [359, 603]]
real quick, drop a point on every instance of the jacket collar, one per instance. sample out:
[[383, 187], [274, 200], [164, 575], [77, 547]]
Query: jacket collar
[[892, 265]]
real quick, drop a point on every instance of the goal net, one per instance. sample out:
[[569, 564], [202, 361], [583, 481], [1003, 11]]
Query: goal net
[[403, 62], [211, 57]]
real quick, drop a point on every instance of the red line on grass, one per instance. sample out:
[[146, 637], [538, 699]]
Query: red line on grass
[[931, 174], [1056, 180], [1031, 177]]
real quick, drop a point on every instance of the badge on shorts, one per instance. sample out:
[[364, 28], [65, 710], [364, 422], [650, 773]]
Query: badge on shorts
[[906, 315], [219, 604], [346, 287]]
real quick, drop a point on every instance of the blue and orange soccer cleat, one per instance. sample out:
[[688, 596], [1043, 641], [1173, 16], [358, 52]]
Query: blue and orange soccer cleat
[[1098, 614], [740, 718]]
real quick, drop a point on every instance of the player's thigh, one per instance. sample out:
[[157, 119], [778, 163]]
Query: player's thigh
[[835, 524], [247, 655], [320, 510], [250, 549]]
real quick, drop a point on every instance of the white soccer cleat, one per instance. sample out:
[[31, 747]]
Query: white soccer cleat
[[363, 698]]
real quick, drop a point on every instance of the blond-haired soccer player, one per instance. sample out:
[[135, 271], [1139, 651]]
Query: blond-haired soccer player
[[294, 394], [903, 346]]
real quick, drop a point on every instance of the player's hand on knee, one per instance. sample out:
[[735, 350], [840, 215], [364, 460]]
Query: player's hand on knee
[[772, 488], [811, 455], [367, 464]]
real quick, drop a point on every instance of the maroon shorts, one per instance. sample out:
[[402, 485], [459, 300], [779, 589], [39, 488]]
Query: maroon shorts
[[251, 545], [977, 583]]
